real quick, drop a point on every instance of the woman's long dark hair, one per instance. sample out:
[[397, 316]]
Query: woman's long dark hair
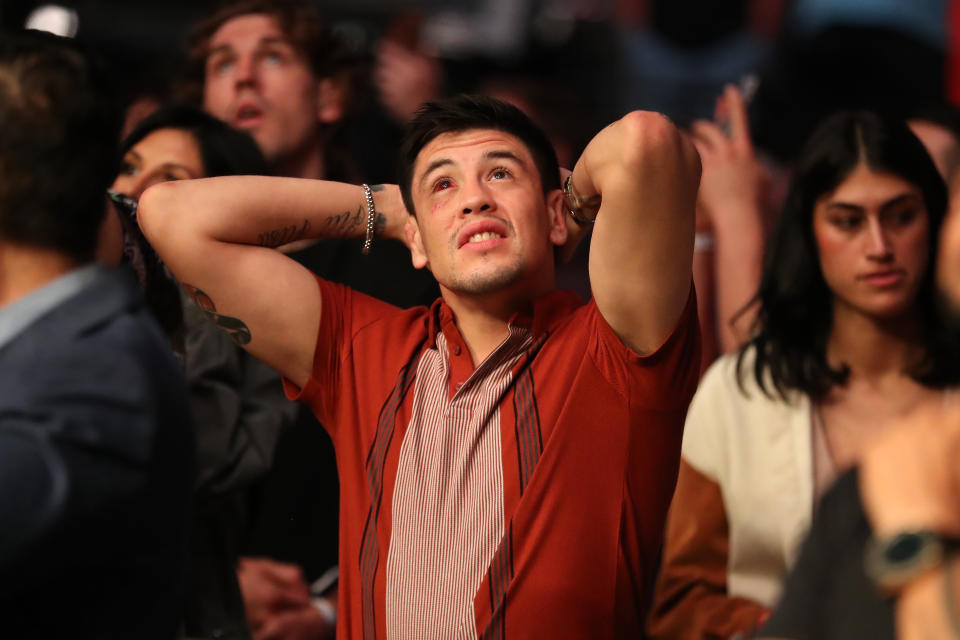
[[224, 151], [795, 313]]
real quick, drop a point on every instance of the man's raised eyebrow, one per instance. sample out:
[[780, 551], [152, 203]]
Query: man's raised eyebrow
[[505, 155], [436, 164], [274, 40], [266, 40], [220, 48]]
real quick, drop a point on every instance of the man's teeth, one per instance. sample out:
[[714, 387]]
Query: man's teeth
[[486, 235]]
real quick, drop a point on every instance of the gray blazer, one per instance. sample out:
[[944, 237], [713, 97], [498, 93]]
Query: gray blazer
[[96, 466]]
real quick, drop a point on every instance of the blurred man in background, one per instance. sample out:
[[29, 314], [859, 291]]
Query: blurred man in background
[[95, 441]]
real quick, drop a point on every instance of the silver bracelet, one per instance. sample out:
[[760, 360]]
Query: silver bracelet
[[576, 205], [371, 219]]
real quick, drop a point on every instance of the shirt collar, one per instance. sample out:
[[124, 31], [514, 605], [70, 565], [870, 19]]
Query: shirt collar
[[15, 318], [547, 311]]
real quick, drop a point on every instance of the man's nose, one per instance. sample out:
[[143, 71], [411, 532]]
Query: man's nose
[[245, 72], [477, 198]]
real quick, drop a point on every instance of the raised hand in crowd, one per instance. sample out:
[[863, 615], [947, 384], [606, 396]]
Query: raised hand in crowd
[[909, 481], [405, 79], [732, 189]]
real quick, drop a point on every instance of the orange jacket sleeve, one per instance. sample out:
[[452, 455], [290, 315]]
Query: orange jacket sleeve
[[690, 600]]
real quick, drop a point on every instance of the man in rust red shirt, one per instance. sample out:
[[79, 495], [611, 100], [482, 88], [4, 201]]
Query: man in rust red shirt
[[506, 456]]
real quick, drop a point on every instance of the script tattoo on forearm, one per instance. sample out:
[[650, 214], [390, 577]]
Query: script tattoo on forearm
[[344, 223], [284, 235], [233, 327], [352, 223]]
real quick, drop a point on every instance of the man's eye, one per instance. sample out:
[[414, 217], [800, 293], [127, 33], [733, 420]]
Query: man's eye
[[274, 58], [500, 173], [222, 65], [442, 184]]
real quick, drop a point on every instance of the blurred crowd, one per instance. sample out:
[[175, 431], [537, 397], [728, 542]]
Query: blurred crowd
[[818, 493]]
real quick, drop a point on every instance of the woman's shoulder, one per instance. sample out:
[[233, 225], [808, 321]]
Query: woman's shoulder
[[730, 407]]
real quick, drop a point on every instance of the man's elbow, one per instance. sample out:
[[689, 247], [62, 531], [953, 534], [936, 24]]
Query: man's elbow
[[651, 139]]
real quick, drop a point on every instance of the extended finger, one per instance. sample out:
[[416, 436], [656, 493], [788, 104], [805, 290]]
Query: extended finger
[[737, 113], [709, 134]]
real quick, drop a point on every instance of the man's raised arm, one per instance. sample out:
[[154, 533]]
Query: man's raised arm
[[217, 236], [641, 253]]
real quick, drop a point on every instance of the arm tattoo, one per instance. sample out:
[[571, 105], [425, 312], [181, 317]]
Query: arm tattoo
[[377, 187], [284, 235], [233, 327], [342, 224]]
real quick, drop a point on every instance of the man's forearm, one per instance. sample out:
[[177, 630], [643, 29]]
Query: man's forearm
[[265, 211]]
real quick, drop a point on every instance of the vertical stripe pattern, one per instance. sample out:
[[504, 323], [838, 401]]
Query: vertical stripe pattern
[[529, 447], [527, 427], [369, 548], [447, 507]]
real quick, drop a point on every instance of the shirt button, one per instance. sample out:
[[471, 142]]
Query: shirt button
[[456, 349]]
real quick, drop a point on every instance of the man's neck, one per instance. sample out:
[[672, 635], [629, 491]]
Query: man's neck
[[483, 319], [24, 270], [308, 162]]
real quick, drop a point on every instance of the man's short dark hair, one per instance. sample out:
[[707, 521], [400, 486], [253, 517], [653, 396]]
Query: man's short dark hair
[[310, 36], [58, 143], [466, 113]]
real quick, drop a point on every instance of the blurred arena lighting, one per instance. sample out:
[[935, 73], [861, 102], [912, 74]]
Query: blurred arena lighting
[[58, 20]]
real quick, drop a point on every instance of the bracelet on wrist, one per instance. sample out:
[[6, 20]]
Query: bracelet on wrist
[[371, 219], [583, 210]]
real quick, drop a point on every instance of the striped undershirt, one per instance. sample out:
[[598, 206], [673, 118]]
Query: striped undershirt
[[447, 506]]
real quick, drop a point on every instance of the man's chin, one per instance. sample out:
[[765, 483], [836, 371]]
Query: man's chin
[[486, 283]]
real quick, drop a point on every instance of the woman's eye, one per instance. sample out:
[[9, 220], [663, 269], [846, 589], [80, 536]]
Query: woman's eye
[[903, 218], [127, 169], [847, 222]]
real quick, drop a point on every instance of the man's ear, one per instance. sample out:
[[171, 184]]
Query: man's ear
[[415, 243], [557, 217], [331, 100]]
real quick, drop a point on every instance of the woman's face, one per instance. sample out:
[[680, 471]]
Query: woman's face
[[872, 235], [163, 155]]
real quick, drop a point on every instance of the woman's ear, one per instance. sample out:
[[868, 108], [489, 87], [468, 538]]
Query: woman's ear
[[418, 255]]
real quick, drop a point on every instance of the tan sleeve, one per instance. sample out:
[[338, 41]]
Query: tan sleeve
[[690, 599]]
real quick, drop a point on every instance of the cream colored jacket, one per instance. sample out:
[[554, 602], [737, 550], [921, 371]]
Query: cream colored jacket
[[760, 452]]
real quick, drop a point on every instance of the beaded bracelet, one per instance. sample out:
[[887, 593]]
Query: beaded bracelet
[[371, 219]]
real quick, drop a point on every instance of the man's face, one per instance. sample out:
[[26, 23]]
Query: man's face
[[482, 222], [256, 81]]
